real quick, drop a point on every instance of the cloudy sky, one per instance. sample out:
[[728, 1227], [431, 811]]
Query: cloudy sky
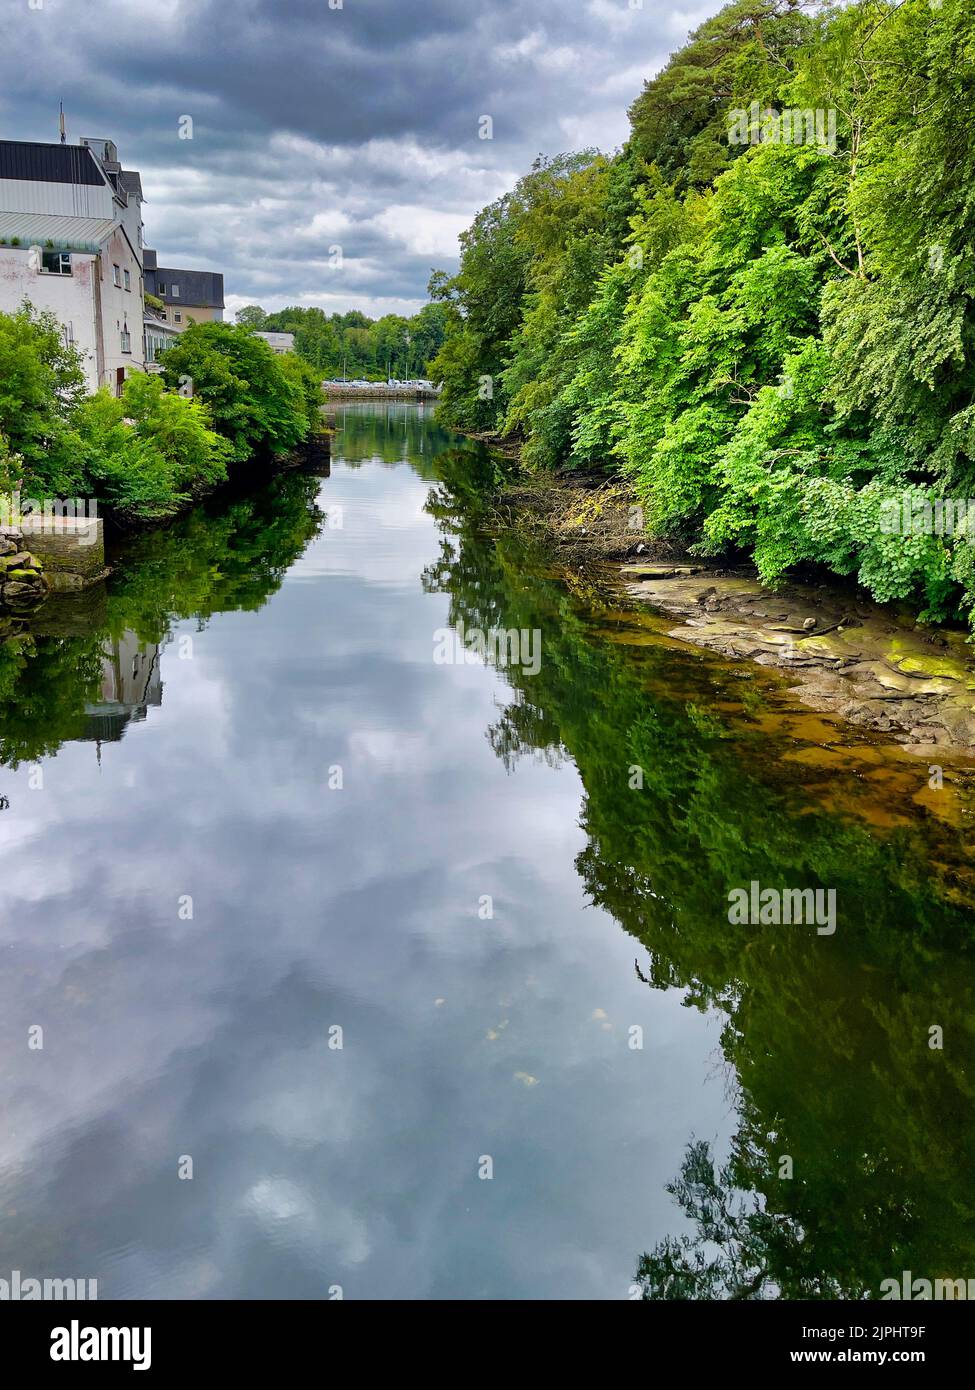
[[323, 123]]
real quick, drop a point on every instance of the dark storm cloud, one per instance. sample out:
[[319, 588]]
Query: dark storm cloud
[[316, 127]]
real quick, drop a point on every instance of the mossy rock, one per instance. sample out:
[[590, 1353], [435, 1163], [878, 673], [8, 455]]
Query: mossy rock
[[23, 595], [932, 666]]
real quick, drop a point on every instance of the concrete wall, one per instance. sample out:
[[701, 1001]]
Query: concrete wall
[[70, 297], [188, 313], [121, 307], [57, 199]]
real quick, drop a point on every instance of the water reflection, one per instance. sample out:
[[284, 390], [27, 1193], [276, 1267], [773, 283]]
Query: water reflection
[[293, 647], [131, 682], [850, 1059]]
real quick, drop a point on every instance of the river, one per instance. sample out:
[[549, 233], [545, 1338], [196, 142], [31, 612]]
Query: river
[[333, 966]]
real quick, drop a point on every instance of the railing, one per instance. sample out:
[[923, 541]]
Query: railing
[[378, 390]]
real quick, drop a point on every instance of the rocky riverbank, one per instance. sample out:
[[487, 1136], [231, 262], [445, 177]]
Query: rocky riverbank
[[874, 666], [23, 584]]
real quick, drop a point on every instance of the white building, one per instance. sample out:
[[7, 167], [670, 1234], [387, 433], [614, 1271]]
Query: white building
[[71, 241], [278, 342], [160, 335]]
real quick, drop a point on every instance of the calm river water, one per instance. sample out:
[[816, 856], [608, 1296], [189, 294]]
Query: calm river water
[[329, 965]]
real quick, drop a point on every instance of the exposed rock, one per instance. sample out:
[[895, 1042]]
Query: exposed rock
[[849, 657], [658, 571], [17, 591]]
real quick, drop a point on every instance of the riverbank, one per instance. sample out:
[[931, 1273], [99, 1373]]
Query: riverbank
[[65, 555], [873, 665]]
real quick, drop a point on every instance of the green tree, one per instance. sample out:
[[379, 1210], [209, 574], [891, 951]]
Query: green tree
[[258, 405], [251, 316], [41, 381]]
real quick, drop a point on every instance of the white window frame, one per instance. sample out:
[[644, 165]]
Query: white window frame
[[64, 257]]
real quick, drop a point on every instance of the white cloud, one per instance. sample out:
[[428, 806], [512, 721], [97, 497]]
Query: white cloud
[[423, 231]]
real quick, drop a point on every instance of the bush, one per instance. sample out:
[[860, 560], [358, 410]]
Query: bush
[[41, 380], [259, 404], [181, 428], [148, 453], [304, 379], [125, 470]]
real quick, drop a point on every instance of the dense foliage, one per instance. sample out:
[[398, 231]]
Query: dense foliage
[[352, 344], [260, 402], [146, 453], [140, 456], [767, 325]]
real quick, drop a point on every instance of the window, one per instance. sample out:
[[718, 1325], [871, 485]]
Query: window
[[161, 288], [127, 278], [117, 275], [126, 340], [177, 316], [56, 262], [174, 291]]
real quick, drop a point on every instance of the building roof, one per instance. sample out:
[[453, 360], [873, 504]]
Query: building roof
[[148, 259], [25, 159], [67, 233], [131, 181], [199, 289]]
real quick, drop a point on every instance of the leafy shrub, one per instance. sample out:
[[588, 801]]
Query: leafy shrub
[[258, 404]]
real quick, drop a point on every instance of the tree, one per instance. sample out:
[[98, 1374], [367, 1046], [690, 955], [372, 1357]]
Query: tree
[[771, 338], [251, 316], [41, 381], [256, 403]]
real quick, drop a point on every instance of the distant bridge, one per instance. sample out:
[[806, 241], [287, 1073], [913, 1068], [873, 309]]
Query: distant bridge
[[378, 391]]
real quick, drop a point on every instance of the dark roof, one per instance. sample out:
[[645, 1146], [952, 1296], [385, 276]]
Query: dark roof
[[23, 159], [131, 181], [202, 289], [148, 259]]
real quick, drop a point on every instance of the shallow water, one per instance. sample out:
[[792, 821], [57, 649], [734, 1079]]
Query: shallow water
[[424, 969]]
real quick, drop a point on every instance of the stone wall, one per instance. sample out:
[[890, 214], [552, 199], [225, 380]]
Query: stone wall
[[22, 582], [71, 550]]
